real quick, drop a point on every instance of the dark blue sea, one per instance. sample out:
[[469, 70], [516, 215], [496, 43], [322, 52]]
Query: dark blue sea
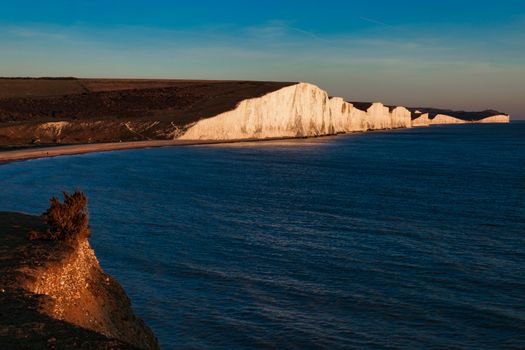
[[408, 239]]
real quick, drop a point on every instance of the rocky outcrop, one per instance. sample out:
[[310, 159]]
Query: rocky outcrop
[[300, 110], [82, 294], [55, 295]]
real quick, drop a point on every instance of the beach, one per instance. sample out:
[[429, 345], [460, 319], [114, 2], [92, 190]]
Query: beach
[[68, 150]]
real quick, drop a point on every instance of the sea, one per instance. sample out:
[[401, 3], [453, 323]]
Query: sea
[[404, 239]]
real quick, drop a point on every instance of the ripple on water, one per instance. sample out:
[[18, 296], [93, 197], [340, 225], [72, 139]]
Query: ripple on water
[[409, 239]]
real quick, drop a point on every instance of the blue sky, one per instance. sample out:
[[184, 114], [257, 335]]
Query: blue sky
[[457, 54]]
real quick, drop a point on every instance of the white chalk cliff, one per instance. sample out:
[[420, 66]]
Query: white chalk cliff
[[500, 118], [298, 110], [421, 120], [303, 110], [424, 120]]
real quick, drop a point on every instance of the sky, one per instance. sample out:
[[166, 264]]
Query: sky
[[460, 54]]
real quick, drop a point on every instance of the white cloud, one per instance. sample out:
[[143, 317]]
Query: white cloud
[[35, 33]]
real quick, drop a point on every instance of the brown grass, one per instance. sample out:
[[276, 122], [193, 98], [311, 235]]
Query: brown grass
[[10, 88], [67, 221], [174, 101]]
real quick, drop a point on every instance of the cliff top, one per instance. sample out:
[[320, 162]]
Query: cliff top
[[177, 101], [465, 115], [45, 286], [433, 112], [365, 105]]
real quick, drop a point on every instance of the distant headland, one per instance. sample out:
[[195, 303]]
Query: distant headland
[[40, 112]]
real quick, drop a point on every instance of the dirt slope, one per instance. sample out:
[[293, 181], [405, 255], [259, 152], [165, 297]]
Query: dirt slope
[[54, 296]]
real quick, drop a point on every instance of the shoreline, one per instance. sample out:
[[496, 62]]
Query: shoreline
[[23, 154], [85, 148]]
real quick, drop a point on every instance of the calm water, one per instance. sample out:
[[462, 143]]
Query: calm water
[[403, 239]]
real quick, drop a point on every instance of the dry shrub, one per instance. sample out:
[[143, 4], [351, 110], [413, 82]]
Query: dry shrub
[[67, 221], [33, 234]]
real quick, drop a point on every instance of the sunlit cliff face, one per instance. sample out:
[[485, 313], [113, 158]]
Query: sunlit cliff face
[[303, 110], [295, 110]]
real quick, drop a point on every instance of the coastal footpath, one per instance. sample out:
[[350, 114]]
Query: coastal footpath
[[54, 294]]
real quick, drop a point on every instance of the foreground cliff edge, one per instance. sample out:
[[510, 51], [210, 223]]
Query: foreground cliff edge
[[53, 293]]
